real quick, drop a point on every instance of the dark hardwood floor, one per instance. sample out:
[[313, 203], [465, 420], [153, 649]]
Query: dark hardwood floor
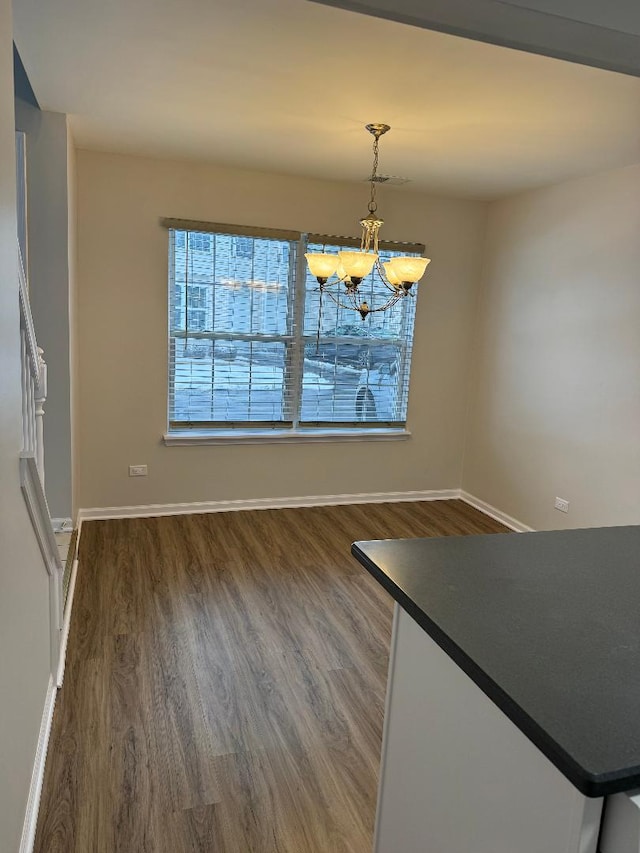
[[225, 682]]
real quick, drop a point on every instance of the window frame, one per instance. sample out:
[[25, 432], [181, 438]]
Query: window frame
[[292, 427]]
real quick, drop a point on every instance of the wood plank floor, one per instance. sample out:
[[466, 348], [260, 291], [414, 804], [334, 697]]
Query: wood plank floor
[[225, 682]]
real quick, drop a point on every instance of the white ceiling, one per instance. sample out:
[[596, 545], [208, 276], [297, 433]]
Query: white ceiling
[[599, 33], [287, 85]]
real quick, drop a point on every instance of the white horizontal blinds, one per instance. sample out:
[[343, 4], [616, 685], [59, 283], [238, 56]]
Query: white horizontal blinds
[[230, 327], [356, 372], [251, 345]]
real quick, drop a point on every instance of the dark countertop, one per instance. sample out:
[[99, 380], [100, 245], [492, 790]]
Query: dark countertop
[[547, 625]]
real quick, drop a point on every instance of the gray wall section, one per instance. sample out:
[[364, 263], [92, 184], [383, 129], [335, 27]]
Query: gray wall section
[[48, 264], [21, 83], [590, 33], [24, 586]]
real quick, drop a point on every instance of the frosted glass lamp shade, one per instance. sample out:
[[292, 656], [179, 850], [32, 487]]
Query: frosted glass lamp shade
[[358, 264], [392, 276], [342, 276], [322, 265], [409, 269]]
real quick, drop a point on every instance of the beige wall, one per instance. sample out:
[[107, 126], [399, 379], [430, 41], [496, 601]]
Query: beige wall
[[556, 389], [72, 252], [122, 310], [24, 585]]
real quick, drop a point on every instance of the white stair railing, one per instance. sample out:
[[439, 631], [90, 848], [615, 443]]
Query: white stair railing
[[40, 398], [34, 382], [34, 395]]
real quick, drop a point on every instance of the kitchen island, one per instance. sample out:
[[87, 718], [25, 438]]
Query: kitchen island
[[513, 703]]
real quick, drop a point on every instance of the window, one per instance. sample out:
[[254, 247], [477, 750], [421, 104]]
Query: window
[[244, 247], [253, 346], [355, 371], [199, 242]]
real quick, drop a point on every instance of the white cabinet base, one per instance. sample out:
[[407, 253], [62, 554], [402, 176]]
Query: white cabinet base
[[621, 824], [458, 776]]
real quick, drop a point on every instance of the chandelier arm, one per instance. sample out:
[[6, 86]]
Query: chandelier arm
[[339, 303], [388, 304], [355, 307], [328, 284], [341, 280], [352, 295], [384, 278]]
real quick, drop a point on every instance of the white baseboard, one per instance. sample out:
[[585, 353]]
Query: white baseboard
[[150, 510], [108, 512], [62, 525], [495, 513], [66, 624], [37, 776]]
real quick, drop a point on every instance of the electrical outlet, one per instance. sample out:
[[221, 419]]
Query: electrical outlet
[[562, 505], [138, 470]]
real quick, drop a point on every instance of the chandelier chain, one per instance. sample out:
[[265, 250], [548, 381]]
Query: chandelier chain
[[373, 204]]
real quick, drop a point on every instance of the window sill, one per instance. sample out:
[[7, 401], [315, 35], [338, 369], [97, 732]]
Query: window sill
[[275, 436]]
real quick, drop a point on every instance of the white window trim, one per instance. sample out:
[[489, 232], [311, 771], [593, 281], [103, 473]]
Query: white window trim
[[277, 436]]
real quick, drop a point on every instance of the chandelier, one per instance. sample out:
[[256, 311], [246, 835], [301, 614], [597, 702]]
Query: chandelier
[[351, 267]]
